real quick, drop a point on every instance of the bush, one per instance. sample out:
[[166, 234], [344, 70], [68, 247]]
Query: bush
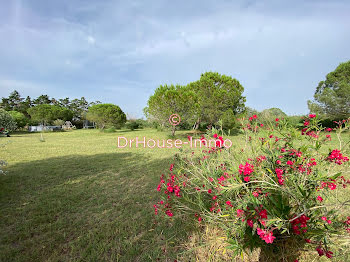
[[109, 130], [7, 123], [132, 124], [281, 193], [58, 122], [20, 119]]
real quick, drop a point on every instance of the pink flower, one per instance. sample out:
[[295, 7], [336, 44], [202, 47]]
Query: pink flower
[[278, 162], [277, 119], [209, 191], [256, 194], [269, 238], [215, 135], [329, 221], [319, 198], [312, 116], [239, 212], [246, 178], [324, 218], [250, 223], [246, 170], [229, 203], [290, 163]]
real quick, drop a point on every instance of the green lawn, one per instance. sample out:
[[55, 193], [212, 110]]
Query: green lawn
[[77, 197]]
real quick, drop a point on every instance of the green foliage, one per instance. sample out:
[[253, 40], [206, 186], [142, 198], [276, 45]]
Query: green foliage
[[58, 122], [7, 123], [15, 102], [132, 124], [212, 98], [332, 96], [168, 100], [20, 118], [45, 113], [106, 115], [269, 115], [276, 190], [218, 96]]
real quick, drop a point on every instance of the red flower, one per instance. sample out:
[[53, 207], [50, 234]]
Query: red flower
[[319, 198], [329, 254], [250, 223], [263, 214], [246, 178], [312, 116], [246, 170], [239, 212], [277, 119]]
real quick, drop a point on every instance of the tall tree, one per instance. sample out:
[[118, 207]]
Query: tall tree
[[43, 99], [169, 100], [106, 115], [13, 102], [218, 97], [332, 96]]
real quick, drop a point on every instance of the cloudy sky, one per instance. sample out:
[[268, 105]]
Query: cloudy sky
[[120, 51]]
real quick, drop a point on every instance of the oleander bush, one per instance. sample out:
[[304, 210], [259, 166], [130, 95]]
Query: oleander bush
[[280, 192]]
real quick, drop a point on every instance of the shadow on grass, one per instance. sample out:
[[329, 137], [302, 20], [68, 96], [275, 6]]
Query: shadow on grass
[[86, 208]]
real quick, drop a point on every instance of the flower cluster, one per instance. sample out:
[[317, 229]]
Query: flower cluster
[[275, 188], [246, 170], [299, 223], [337, 157]]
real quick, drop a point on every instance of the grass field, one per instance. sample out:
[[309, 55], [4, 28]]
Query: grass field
[[77, 197]]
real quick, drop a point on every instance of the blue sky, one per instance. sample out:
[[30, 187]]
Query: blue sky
[[121, 51]]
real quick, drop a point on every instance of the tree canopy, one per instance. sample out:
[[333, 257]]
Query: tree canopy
[[106, 115], [14, 102], [6, 121], [46, 113], [212, 98], [332, 96]]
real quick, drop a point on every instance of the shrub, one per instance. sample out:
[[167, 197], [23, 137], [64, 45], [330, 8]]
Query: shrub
[[109, 130], [280, 192], [7, 123], [58, 122], [132, 124], [20, 119]]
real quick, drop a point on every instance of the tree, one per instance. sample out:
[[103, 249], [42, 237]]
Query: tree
[[272, 113], [13, 102], [169, 100], [217, 97], [7, 122], [106, 115], [43, 99], [47, 113], [332, 96], [20, 119]]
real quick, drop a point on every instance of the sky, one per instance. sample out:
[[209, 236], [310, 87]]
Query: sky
[[121, 51]]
